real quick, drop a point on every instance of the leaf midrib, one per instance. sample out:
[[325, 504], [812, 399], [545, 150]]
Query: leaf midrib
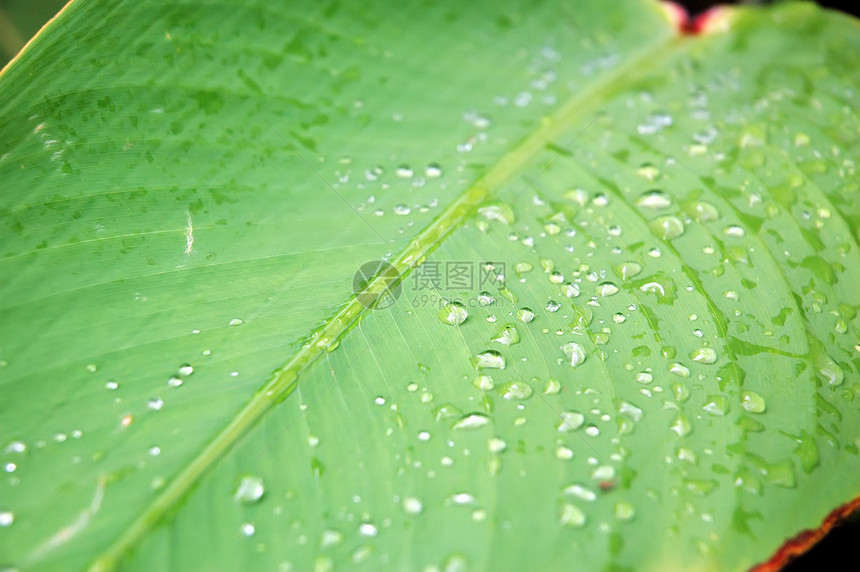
[[285, 379]]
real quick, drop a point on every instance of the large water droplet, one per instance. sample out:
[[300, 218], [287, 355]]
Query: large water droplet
[[508, 335], [574, 353], [515, 390], [704, 355], [654, 199], [570, 421], [490, 359], [453, 314], [667, 227]]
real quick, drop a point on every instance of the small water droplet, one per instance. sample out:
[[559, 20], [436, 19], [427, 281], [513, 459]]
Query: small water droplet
[[248, 529], [607, 289], [734, 230], [571, 516], [716, 405], [704, 355], [483, 382], [236, 322], [471, 421], [485, 299], [525, 315], [433, 171], [155, 403], [412, 505], [367, 529], [681, 425], [7, 518], [111, 385], [753, 402], [250, 490], [404, 171], [174, 381], [553, 387], [679, 369], [570, 290], [624, 511], [186, 370]]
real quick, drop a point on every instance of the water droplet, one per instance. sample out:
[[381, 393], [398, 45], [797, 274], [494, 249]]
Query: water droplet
[[734, 230], [7, 518], [367, 529], [654, 199], [681, 425], [703, 211], [556, 277], [716, 405], [571, 516], [648, 171], [330, 538], [667, 227], [563, 453], [603, 473], [483, 382], [490, 359], [508, 335], [570, 290], [462, 498], [525, 315], [570, 421], [186, 370], [496, 445], [579, 492], [753, 402], [433, 171], [704, 355], [624, 511], [471, 421], [485, 299], [236, 322], [156, 403], [679, 369], [248, 529], [644, 377], [401, 209], [174, 381], [453, 314], [112, 385], [501, 213], [627, 270], [515, 390], [630, 410], [607, 289], [412, 505], [250, 490], [155, 451], [404, 171], [553, 387], [574, 353]]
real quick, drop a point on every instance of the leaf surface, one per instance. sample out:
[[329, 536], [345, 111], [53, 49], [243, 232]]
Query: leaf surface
[[656, 233]]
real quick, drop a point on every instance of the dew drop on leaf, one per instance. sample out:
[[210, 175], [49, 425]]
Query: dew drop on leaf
[[490, 359], [250, 490], [574, 353], [667, 227], [453, 314], [471, 421], [515, 390], [753, 402], [570, 421], [704, 355]]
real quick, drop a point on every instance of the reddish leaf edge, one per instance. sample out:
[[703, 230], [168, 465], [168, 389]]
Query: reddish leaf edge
[[803, 541], [711, 20]]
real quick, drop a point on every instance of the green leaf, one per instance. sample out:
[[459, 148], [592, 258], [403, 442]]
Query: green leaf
[[615, 328]]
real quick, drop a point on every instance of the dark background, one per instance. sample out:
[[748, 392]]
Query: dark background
[[20, 19]]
